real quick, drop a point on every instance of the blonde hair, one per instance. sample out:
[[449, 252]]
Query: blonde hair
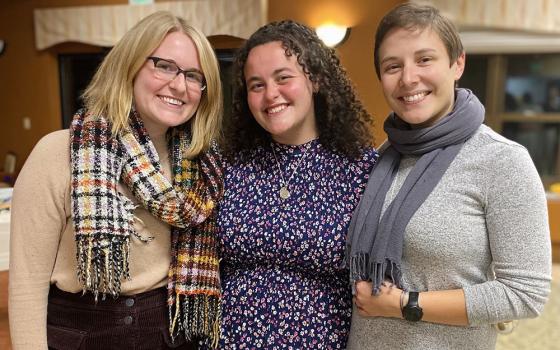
[[110, 93]]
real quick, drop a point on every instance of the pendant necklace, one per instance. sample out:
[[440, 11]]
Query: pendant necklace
[[284, 191]]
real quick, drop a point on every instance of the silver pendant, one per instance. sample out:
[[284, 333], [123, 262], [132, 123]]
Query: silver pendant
[[284, 193]]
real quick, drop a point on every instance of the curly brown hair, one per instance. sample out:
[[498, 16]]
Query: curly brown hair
[[343, 124]]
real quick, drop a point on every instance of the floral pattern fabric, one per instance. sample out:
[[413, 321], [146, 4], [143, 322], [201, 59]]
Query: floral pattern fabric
[[283, 283]]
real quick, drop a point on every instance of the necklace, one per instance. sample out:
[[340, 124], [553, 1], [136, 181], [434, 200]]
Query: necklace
[[284, 191]]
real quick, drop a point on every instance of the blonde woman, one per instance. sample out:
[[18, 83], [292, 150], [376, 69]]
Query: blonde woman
[[113, 220]]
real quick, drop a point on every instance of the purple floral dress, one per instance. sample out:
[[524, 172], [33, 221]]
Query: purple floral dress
[[283, 284]]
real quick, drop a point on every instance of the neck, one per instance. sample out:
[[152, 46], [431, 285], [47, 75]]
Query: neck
[[156, 133], [296, 140]]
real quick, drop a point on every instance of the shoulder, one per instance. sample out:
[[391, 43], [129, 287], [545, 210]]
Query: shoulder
[[247, 158], [369, 156], [56, 140], [362, 164], [487, 138], [503, 156], [46, 172], [53, 146], [50, 156], [489, 146]]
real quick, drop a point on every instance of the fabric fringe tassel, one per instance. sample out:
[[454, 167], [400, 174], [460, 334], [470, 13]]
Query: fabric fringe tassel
[[197, 316], [362, 269], [102, 264], [103, 257]]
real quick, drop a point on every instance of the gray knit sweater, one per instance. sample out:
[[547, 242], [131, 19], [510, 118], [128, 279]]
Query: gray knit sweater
[[484, 228]]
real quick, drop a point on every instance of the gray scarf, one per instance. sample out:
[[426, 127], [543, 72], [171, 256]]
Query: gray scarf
[[375, 242]]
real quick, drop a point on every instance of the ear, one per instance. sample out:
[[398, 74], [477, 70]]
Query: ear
[[460, 66], [315, 87]]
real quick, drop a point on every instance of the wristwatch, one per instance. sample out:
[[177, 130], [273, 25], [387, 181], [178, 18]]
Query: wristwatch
[[412, 311]]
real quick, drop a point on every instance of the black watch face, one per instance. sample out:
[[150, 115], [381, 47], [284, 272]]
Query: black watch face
[[413, 313]]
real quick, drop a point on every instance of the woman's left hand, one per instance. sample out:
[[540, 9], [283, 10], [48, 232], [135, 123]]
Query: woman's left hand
[[384, 304]]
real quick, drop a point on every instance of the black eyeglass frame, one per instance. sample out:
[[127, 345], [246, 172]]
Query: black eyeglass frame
[[156, 59]]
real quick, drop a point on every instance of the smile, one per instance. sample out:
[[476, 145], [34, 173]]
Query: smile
[[417, 97], [171, 101], [276, 109]]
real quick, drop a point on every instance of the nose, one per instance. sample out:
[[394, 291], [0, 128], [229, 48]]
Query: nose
[[272, 92], [409, 75], [178, 83]]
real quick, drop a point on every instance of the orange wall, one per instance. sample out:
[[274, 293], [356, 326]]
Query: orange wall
[[29, 78], [554, 222], [29, 84]]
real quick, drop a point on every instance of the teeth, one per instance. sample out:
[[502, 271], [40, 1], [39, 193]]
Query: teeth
[[415, 98], [276, 109], [172, 100]]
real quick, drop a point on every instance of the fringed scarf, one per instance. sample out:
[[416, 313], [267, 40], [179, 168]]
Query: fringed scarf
[[103, 218], [375, 241]]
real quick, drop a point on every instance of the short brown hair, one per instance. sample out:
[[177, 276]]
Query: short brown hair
[[412, 17]]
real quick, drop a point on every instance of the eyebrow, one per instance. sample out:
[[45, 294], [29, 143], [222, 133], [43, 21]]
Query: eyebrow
[[416, 53], [276, 71], [175, 63]]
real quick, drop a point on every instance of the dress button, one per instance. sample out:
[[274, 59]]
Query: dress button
[[128, 320], [129, 302]]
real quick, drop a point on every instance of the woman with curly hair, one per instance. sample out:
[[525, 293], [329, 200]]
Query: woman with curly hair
[[298, 152]]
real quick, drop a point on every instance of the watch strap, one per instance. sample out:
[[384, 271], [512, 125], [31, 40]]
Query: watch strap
[[412, 311], [413, 298]]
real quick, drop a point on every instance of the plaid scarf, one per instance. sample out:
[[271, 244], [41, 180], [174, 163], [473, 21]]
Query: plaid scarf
[[103, 218]]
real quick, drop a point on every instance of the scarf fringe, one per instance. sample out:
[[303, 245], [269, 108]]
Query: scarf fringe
[[104, 218], [197, 316], [102, 264], [103, 258], [362, 269]]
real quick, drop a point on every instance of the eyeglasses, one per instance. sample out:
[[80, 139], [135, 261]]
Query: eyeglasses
[[168, 70]]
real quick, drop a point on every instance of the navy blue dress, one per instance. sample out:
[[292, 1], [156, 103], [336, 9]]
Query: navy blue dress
[[283, 284]]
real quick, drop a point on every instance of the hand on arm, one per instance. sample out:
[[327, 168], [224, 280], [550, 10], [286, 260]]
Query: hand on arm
[[445, 307]]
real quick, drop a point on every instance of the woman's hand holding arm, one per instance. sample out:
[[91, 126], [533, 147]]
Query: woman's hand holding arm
[[445, 306]]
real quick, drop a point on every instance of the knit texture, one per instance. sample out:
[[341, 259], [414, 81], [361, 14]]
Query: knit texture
[[375, 241], [484, 229]]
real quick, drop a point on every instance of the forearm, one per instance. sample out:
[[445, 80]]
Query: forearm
[[28, 312], [445, 307]]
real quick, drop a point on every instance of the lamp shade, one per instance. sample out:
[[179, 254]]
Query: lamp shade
[[332, 34]]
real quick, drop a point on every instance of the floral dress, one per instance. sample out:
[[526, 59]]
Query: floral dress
[[282, 277]]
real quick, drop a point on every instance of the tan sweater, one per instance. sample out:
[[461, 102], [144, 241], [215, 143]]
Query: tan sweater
[[42, 246]]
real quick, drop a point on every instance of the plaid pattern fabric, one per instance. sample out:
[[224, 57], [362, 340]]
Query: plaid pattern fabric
[[103, 217]]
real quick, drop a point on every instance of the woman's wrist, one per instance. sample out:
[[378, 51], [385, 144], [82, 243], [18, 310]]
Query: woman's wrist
[[402, 302]]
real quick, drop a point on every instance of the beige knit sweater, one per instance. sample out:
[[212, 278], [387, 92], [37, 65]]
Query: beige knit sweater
[[43, 250]]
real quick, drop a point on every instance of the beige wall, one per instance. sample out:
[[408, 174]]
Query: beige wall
[[29, 78]]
